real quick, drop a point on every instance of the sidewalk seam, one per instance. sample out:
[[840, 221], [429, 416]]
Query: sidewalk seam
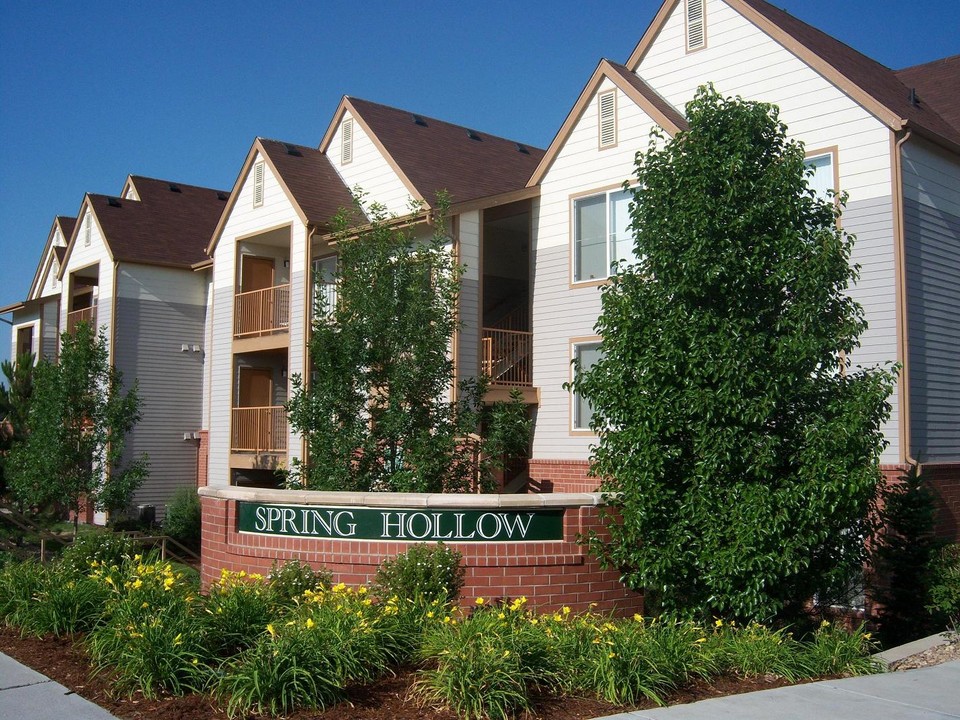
[[895, 702]]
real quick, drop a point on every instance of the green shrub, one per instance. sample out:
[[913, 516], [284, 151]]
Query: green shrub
[[98, 549], [289, 581], [833, 650], [182, 521], [754, 650], [424, 573], [237, 608], [19, 584], [62, 604], [945, 584]]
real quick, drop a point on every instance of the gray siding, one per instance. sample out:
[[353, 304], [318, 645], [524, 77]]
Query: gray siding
[[148, 349], [933, 290], [469, 350]]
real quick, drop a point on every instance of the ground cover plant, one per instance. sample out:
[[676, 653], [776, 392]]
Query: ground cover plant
[[256, 648]]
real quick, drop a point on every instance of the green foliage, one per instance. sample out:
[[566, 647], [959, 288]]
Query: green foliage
[[14, 407], [182, 521], [945, 585], [19, 584], [738, 444], [91, 550], [423, 573], [62, 604], [289, 581], [376, 412], [901, 559], [79, 418], [834, 651], [237, 608]]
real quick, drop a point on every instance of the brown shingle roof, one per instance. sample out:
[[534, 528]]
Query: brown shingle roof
[[436, 155], [650, 94], [170, 224], [67, 224], [938, 85], [875, 79], [311, 178]]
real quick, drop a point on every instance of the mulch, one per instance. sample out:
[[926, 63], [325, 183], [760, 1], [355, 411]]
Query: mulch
[[68, 664]]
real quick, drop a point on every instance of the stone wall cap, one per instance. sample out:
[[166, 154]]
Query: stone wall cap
[[404, 500]]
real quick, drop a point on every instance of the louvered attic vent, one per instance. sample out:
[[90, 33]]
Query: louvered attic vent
[[258, 184], [696, 30], [346, 141], [608, 119]]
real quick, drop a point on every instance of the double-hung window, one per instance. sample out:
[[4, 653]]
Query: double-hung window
[[586, 354], [601, 234]]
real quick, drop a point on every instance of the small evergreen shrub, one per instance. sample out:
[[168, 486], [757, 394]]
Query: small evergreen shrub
[[945, 585], [289, 581], [182, 521], [422, 573]]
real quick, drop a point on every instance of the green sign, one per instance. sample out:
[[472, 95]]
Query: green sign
[[421, 525]]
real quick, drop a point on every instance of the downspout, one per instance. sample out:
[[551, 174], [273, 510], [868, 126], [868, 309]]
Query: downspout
[[903, 348]]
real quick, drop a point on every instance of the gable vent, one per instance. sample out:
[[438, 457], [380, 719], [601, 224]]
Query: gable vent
[[86, 231], [346, 141], [258, 184], [696, 35], [608, 119]]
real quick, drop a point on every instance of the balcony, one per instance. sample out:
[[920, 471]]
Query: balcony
[[87, 315], [506, 357], [259, 429], [261, 312]]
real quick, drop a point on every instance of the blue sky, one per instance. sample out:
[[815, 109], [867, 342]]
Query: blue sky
[[91, 92]]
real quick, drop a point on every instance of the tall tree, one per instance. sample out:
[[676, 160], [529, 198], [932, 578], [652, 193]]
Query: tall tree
[[379, 412], [79, 418], [14, 406], [739, 443]]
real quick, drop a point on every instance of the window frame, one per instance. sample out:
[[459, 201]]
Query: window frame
[[833, 152], [576, 429], [580, 197]]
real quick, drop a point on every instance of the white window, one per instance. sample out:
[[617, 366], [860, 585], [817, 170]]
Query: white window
[[346, 141], [607, 110], [696, 27], [587, 354], [822, 181], [258, 184], [601, 234], [325, 281]]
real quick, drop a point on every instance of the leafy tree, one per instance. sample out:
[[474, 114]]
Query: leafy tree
[[14, 406], [378, 412], [739, 445], [79, 418]]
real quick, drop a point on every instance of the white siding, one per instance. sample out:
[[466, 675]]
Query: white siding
[[561, 312], [370, 171], [244, 221], [82, 256], [931, 179]]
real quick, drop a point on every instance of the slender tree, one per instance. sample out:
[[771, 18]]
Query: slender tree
[[14, 406], [738, 444], [379, 412], [79, 418]]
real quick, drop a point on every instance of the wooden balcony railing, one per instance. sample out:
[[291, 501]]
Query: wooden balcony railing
[[259, 312], [507, 356], [259, 429], [87, 315]]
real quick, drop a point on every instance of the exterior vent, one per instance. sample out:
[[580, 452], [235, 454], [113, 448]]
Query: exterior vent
[[417, 120], [113, 202], [292, 150], [346, 141], [472, 134], [696, 29], [175, 188], [86, 231], [221, 195], [258, 184], [522, 149], [608, 119]]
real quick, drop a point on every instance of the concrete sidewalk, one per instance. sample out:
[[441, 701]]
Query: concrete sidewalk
[[931, 693], [27, 695]]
